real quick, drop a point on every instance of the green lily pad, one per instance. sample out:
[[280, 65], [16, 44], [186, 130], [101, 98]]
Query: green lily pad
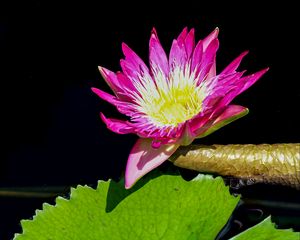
[[266, 230], [158, 207]]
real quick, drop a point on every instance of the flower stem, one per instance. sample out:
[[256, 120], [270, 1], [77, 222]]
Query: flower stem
[[275, 164]]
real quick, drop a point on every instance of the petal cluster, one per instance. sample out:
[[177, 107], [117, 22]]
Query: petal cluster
[[176, 99]]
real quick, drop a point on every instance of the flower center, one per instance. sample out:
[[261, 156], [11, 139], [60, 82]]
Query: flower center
[[168, 102], [175, 107]]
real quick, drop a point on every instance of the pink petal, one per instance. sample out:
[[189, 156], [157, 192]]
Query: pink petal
[[197, 55], [209, 56], [123, 107], [251, 79], [110, 78], [222, 89], [133, 58], [212, 71], [133, 66], [234, 64], [117, 126], [129, 69], [221, 85], [203, 71], [239, 86], [143, 158], [182, 36], [207, 67], [199, 121], [119, 85], [190, 43], [125, 82], [105, 96], [210, 47], [178, 55], [213, 35], [157, 56], [230, 114]]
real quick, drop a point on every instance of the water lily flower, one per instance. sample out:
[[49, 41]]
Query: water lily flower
[[173, 101]]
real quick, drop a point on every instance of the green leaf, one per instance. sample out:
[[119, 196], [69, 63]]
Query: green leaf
[[158, 207], [265, 230]]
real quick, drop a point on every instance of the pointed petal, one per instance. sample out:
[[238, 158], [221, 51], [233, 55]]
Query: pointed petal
[[117, 126], [220, 85], [143, 158], [197, 55], [182, 36], [157, 56], [190, 43], [212, 47], [133, 58], [207, 67], [110, 78], [209, 46], [178, 55], [209, 56], [129, 70], [120, 86], [230, 114], [213, 35], [251, 79], [179, 48], [234, 64], [105, 96], [125, 82], [221, 94], [238, 86], [126, 108]]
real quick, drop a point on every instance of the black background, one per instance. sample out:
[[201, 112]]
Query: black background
[[50, 128]]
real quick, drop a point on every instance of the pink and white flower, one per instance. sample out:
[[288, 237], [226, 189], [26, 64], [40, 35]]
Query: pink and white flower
[[179, 98]]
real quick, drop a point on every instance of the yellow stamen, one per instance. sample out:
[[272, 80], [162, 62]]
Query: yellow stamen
[[168, 102]]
